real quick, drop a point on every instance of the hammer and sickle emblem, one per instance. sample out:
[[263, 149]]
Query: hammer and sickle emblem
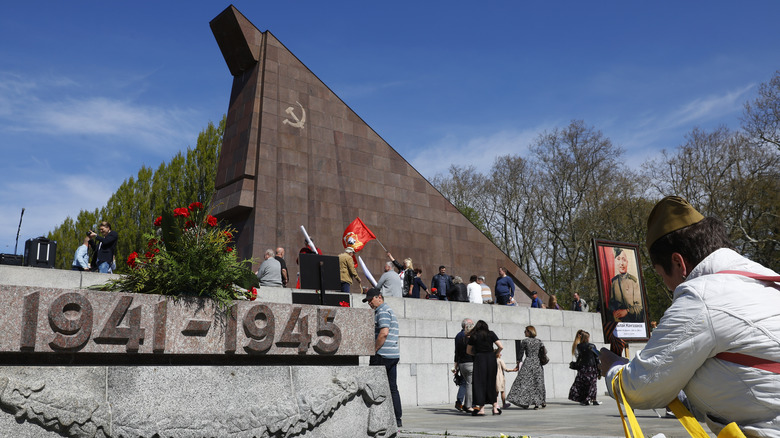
[[298, 123]]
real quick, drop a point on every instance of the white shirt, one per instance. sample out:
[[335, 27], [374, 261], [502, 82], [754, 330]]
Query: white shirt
[[475, 292]]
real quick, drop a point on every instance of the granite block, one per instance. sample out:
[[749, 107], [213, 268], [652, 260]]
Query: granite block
[[41, 320], [549, 317], [511, 315], [428, 309], [416, 350], [192, 401], [580, 319], [433, 329], [407, 382], [437, 379], [473, 311], [442, 350]]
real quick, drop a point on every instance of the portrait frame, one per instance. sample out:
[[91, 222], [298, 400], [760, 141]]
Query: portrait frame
[[621, 293]]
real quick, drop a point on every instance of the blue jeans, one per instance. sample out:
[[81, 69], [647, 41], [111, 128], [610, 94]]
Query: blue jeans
[[103, 267], [390, 366], [345, 286]]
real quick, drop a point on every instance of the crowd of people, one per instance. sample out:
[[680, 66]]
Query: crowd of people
[[480, 370], [404, 280]]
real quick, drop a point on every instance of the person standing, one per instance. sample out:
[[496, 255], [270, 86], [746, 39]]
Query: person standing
[[389, 283], [474, 290], [418, 284], [578, 304], [280, 258], [387, 351], [487, 294], [719, 341], [105, 248], [441, 283], [536, 302], [528, 387], [552, 303], [458, 291], [505, 288], [405, 272], [464, 363], [270, 271], [81, 256], [584, 390], [347, 269], [483, 387]]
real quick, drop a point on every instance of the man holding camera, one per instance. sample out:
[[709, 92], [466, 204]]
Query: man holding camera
[[105, 248]]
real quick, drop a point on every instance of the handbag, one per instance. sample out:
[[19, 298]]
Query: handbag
[[574, 365], [543, 359], [680, 411], [458, 378]]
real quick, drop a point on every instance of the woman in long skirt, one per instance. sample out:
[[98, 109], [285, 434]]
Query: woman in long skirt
[[483, 382], [584, 390], [528, 387]]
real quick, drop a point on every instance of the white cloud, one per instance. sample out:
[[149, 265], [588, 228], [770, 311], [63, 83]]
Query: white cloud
[[58, 107], [47, 203], [708, 108], [479, 151]]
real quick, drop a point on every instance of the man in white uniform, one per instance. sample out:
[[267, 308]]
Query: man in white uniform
[[719, 341]]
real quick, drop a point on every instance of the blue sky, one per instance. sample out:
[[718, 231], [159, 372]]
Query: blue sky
[[92, 90]]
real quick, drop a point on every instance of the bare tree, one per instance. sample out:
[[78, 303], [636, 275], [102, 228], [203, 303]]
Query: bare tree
[[726, 175], [761, 118]]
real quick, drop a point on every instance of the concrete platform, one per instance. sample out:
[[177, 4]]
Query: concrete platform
[[560, 419]]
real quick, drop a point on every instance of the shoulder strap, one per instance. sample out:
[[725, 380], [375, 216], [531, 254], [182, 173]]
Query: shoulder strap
[[753, 275]]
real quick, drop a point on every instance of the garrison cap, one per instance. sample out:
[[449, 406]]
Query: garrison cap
[[670, 214]]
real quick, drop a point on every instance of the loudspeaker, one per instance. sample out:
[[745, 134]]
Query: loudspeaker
[[40, 252], [11, 259], [310, 272]]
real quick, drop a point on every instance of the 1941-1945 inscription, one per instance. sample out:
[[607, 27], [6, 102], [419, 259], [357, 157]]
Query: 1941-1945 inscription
[[54, 320]]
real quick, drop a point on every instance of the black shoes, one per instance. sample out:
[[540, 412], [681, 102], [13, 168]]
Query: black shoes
[[458, 406]]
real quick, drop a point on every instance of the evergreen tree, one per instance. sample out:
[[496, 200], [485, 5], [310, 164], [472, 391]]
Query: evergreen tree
[[131, 210]]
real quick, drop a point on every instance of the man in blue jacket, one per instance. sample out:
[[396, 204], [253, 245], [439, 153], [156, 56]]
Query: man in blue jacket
[[505, 287]]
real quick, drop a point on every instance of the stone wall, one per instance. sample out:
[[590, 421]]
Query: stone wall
[[428, 329], [427, 332]]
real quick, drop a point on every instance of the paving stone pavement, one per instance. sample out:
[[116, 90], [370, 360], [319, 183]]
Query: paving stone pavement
[[560, 419]]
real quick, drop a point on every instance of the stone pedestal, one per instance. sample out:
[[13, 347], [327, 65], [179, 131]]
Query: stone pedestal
[[83, 363], [195, 401]]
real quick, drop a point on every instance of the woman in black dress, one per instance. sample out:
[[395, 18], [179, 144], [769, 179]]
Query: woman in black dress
[[584, 389], [485, 367]]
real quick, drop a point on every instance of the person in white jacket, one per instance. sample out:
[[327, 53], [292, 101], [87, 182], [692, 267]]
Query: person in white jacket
[[719, 341]]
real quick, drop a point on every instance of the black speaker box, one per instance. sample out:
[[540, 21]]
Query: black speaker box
[[40, 252], [11, 259]]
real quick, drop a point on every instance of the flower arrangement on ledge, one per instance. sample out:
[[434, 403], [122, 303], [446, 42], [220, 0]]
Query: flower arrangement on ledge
[[191, 254]]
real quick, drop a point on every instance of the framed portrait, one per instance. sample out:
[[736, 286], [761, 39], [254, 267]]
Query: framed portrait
[[622, 292]]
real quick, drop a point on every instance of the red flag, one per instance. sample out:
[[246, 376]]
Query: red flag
[[356, 235]]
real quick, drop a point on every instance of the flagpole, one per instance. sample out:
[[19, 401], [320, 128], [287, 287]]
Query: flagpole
[[380, 244]]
